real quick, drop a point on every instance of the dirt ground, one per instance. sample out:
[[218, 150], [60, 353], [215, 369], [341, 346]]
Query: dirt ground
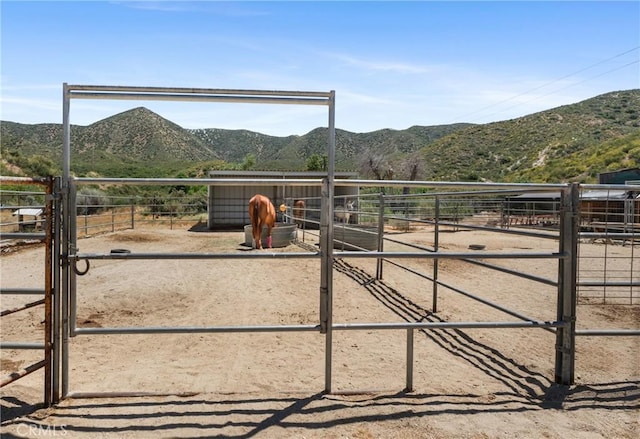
[[472, 383]]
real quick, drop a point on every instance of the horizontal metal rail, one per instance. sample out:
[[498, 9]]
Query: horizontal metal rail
[[483, 264], [447, 325], [501, 192], [24, 180], [465, 293], [202, 98], [198, 94], [313, 328], [608, 332], [408, 244], [194, 329], [609, 284], [20, 345], [194, 90], [531, 277], [337, 254], [309, 182], [618, 235], [543, 280], [22, 235], [488, 302], [500, 230], [448, 184], [26, 223], [108, 89], [21, 291], [252, 255], [450, 255], [21, 308], [201, 181], [14, 376]]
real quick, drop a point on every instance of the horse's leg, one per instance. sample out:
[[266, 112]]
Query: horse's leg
[[256, 225], [269, 239], [257, 238]]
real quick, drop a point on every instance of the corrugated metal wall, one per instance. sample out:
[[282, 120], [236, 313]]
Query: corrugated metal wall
[[228, 205]]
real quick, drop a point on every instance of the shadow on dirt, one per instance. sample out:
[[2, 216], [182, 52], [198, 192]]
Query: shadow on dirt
[[243, 416]]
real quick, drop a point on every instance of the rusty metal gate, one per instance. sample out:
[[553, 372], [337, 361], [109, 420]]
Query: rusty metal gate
[[42, 231]]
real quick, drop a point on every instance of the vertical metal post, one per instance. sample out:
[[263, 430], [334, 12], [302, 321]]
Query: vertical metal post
[[380, 235], [66, 135], [56, 294], [409, 386], [567, 272], [436, 247], [332, 144], [326, 280], [326, 219], [48, 295], [73, 249], [66, 215], [325, 267]]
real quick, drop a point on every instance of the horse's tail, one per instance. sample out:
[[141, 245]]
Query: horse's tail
[[255, 219]]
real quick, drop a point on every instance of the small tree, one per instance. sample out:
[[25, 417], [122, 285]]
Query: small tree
[[317, 163], [249, 162], [377, 164], [411, 168], [90, 200]]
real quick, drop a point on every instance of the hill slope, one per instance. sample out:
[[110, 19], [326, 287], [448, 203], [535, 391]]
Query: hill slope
[[525, 149], [568, 143]]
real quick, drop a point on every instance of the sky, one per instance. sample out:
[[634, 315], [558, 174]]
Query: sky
[[391, 64]]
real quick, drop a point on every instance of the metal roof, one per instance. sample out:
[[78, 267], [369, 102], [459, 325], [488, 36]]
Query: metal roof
[[605, 195], [28, 212], [538, 196], [584, 195], [278, 174]]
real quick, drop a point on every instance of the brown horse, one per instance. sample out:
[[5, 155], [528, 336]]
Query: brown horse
[[299, 212], [262, 213]]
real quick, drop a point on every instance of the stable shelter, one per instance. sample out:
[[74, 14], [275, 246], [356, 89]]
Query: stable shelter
[[227, 205]]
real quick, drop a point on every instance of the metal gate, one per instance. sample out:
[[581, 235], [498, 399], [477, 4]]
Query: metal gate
[[63, 260], [45, 231]]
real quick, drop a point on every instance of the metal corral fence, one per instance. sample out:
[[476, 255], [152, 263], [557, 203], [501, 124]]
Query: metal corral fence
[[21, 210], [446, 209], [609, 218], [612, 223], [24, 211], [367, 226], [120, 213], [43, 227]]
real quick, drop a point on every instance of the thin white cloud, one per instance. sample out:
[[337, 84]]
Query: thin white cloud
[[381, 66], [31, 102], [8, 85], [351, 98], [229, 9], [162, 6]]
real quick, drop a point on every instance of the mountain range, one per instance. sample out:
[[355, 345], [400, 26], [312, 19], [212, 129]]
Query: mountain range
[[568, 143]]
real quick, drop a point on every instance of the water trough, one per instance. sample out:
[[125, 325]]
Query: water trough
[[282, 235], [355, 237]]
